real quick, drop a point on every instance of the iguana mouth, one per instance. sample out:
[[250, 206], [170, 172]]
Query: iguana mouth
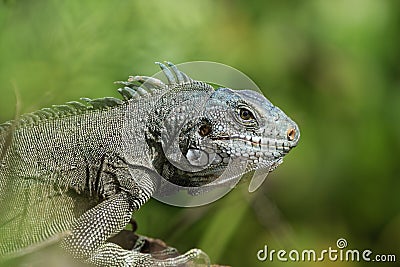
[[261, 143]]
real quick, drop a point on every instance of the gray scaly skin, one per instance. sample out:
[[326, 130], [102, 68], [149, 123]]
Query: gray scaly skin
[[77, 172]]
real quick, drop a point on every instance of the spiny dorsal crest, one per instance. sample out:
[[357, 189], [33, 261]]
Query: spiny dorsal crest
[[134, 88]]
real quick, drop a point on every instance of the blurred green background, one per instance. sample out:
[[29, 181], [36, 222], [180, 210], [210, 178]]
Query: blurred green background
[[333, 66]]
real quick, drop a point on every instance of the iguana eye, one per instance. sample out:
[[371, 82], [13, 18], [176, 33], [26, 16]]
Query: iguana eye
[[246, 114]]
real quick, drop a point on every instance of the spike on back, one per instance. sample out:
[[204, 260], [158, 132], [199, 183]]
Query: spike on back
[[134, 88], [173, 74]]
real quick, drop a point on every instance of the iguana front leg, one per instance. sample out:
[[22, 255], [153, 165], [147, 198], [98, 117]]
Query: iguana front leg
[[89, 234]]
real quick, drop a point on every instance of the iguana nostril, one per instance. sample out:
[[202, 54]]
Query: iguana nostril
[[291, 133]]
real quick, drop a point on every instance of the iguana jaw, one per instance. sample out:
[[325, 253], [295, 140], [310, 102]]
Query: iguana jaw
[[257, 152], [262, 143]]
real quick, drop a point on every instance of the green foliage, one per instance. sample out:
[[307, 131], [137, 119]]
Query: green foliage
[[333, 66]]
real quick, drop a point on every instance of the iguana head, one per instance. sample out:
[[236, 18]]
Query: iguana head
[[206, 132], [243, 124], [239, 126]]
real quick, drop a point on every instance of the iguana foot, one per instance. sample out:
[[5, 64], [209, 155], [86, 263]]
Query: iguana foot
[[111, 254], [157, 252]]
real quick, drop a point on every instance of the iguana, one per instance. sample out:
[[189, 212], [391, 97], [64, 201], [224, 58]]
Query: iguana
[[77, 172]]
